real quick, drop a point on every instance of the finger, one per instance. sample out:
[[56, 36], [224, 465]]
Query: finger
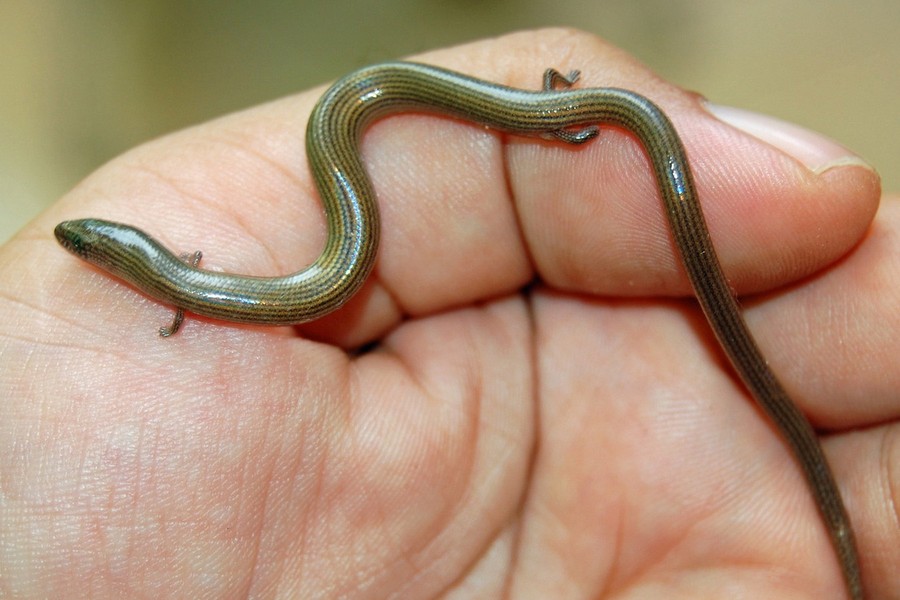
[[835, 338], [466, 218], [866, 463]]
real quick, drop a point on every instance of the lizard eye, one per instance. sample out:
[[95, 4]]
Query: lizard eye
[[70, 238]]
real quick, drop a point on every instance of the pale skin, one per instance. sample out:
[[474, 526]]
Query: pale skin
[[579, 437]]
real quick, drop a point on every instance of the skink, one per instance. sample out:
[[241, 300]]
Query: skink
[[571, 115]]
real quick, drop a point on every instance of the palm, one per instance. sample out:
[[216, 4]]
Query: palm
[[598, 448], [555, 444]]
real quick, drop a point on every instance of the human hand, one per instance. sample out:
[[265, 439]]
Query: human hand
[[538, 412]]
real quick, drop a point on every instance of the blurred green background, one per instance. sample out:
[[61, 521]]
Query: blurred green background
[[83, 80]]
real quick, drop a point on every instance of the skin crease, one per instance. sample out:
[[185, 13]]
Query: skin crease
[[238, 461]]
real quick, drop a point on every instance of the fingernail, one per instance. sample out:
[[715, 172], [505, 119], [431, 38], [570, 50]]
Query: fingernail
[[815, 151]]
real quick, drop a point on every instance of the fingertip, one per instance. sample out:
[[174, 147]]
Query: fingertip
[[817, 152]]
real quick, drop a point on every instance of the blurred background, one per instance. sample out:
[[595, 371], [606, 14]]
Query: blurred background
[[84, 80]]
